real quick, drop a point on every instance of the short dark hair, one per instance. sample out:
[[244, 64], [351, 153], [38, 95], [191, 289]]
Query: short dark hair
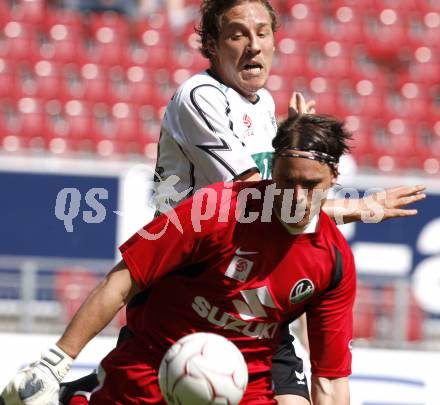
[[211, 13], [313, 132]]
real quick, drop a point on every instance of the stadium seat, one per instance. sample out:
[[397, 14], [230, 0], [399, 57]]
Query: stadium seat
[[431, 28], [343, 22], [398, 5], [364, 317], [394, 145], [72, 286], [8, 78], [48, 80], [152, 44], [324, 91], [330, 59], [78, 119], [29, 11], [64, 37], [361, 144], [106, 50], [424, 66], [31, 117], [427, 144], [428, 5], [303, 19], [94, 82], [409, 100], [415, 316], [19, 41], [361, 96], [116, 123], [385, 35]]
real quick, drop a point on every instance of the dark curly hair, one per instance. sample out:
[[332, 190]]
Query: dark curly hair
[[211, 13], [312, 132]]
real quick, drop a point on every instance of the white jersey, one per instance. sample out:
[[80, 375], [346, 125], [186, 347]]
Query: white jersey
[[210, 133]]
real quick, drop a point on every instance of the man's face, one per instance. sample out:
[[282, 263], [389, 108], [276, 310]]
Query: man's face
[[242, 56], [303, 182]]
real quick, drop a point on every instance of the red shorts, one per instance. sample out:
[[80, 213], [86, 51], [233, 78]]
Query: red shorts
[[127, 378]]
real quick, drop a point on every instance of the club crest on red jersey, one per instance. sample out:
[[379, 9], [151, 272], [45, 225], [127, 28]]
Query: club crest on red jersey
[[239, 268], [302, 290]]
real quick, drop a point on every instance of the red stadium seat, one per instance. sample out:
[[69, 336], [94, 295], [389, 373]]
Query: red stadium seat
[[110, 40], [140, 89], [361, 145], [345, 23], [410, 100], [116, 123], [72, 286], [19, 41], [152, 44], [431, 28], [394, 145], [94, 81], [428, 5], [385, 34], [31, 11], [31, 117], [364, 317], [291, 56], [78, 119], [424, 66], [330, 59], [48, 79], [427, 145], [361, 96], [415, 316], [399, 5], [303, 19], [324, 91], [9, 80], [64, 40]]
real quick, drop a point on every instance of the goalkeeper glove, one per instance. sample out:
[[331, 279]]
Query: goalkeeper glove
[[39, 384]]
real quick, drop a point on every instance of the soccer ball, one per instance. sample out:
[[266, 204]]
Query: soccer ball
[[202, 369]]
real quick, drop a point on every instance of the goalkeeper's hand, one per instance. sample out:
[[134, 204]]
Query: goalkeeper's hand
[[39, 384]]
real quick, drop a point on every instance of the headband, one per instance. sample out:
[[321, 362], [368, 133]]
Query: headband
[[313, 155]]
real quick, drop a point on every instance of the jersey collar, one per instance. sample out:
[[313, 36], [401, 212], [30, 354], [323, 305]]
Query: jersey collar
[[216, 77]]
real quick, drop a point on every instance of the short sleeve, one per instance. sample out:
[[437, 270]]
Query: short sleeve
[[164, 245], [330, 323], [208, 136]]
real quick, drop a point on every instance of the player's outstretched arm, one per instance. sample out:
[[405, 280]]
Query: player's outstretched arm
[[377, 207], [97, 311], [38, 384], [330, 391]]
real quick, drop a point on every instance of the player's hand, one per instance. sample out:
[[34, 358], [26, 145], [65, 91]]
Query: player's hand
[[298, 105], [391, 203], [39, 384]]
